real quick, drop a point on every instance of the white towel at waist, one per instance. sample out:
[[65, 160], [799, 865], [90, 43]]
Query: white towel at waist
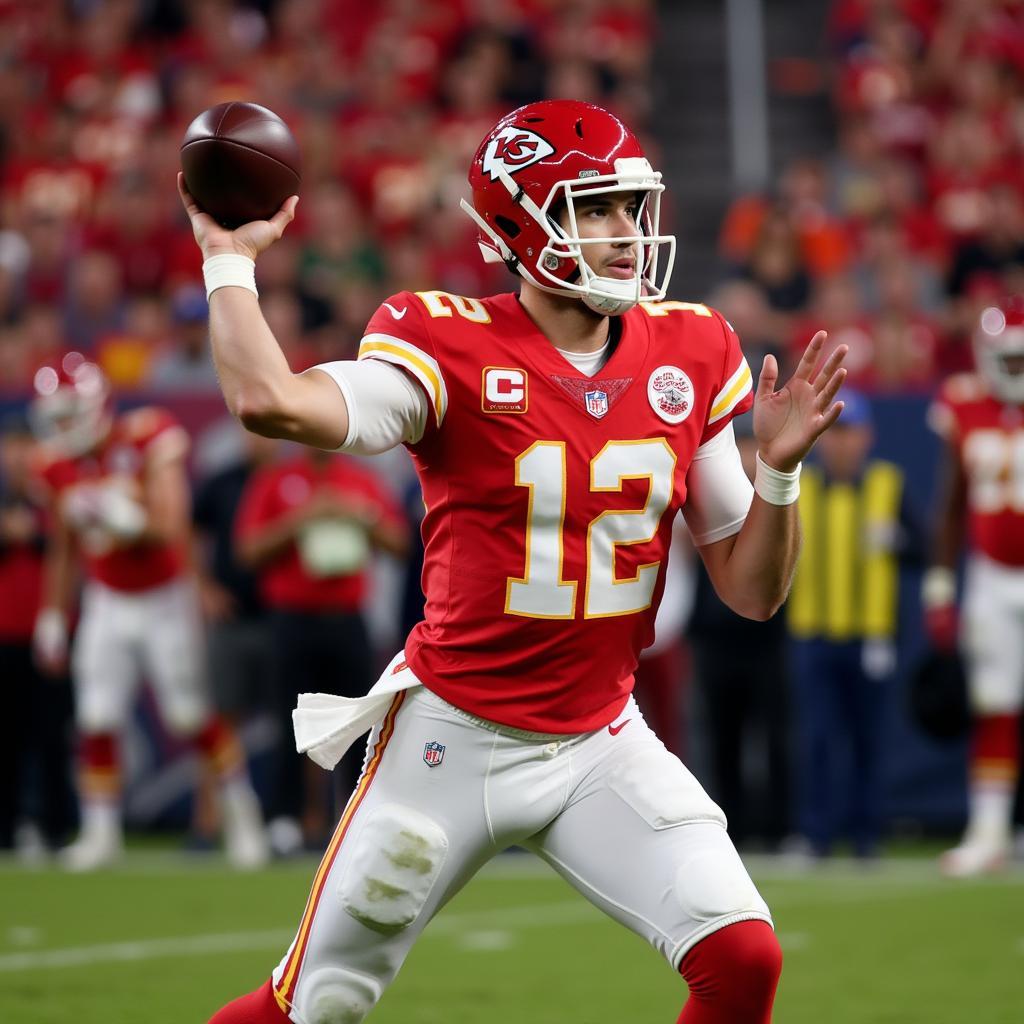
[[327, 725]]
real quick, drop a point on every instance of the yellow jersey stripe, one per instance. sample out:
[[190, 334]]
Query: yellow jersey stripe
[[418, 363], [730, 396]]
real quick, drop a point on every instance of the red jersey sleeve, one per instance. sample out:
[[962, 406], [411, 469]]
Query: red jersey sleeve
[[734, 393], [399, 333]]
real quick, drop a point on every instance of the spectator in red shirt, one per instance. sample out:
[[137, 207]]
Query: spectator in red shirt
[[308, 527], [132, 227]]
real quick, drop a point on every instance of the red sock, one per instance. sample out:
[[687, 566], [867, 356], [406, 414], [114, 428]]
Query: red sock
[[995, 748], [259, 1007], [732, 975], [99, 766], [218, 743]]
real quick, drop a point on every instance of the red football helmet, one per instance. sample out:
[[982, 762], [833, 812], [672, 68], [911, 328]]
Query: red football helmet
[[999, 348], [546, 154], [71, 411]]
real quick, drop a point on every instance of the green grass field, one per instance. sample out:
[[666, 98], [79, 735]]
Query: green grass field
[[164, 941]]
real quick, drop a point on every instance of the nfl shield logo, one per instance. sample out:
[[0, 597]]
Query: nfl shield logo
[[597, 403], [433, 753]]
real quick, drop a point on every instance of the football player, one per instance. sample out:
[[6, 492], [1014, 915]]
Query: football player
[[980, 417], [119, 501], [556, 434]]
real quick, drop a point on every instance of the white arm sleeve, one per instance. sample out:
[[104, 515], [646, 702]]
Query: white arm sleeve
[[385, 407], [719, 492]]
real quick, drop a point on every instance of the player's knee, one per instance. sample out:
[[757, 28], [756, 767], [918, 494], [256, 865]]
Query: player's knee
[[755, 953], [994, 699], [184, 718], [333, 995], [395, 860], [99, 717]]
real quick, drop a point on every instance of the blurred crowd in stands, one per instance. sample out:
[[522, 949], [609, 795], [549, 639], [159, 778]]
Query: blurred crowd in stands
[[388, 100], [897, 239], [893, 241]]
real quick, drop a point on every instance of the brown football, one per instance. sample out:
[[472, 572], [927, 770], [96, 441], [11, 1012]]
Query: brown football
[[240, 162]]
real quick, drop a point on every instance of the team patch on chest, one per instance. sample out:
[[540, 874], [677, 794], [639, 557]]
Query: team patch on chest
[[670, 392]]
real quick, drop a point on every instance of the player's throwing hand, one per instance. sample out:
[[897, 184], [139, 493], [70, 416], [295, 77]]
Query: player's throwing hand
[[248, 240], [787, 422]]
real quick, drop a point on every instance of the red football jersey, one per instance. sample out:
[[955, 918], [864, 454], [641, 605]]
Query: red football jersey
[[136, 440], [989, 437], [550, 495]]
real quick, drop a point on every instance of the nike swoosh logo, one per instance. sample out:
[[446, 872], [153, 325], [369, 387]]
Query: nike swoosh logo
[[397, 313], [616, 729]]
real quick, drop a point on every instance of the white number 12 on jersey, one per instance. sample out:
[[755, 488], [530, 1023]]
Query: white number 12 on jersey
[[542, 592]]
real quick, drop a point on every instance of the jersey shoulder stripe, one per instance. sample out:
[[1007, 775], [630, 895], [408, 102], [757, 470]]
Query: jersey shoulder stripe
[[422, 366], [736, 388]]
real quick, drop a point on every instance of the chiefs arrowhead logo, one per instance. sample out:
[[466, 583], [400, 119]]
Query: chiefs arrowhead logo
[[512, 149]]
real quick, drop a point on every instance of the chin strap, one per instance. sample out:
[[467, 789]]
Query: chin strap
[[611, 305]]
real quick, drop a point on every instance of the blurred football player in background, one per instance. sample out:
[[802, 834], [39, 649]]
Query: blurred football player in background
[[556, 435], [119, 502], [980, 417]]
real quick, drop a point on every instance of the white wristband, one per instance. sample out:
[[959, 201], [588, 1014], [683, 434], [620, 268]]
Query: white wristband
[[229, 269], [938, 587], [774, 486]]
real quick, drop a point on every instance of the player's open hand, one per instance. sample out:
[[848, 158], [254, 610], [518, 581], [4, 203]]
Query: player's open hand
[[787, 422], [248, 240]]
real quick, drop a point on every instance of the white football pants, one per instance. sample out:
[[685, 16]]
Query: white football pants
[[124, 636], [613, 812], [992, 635]]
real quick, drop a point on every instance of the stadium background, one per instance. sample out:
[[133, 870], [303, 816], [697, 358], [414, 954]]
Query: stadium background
[[854, 164]]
